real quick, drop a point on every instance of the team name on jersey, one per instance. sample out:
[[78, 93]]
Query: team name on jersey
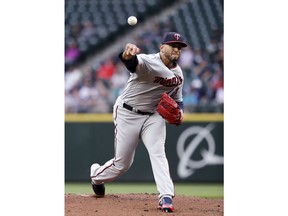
[[175, 81]]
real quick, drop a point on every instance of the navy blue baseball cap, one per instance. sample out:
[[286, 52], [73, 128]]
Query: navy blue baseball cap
[[173, 37]]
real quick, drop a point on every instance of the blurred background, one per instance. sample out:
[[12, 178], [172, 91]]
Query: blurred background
[[96, 31]]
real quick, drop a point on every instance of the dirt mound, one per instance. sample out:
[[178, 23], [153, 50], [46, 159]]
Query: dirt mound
[[139, 204]]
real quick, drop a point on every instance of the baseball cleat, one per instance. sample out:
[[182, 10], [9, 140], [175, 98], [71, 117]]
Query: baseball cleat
[[99, 189], [165, 204]]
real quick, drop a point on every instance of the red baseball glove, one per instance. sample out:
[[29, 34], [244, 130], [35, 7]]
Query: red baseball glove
[[169, 110]]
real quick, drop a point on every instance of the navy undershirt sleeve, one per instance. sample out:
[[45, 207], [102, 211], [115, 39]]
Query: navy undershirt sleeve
[[181, 105], [130, 64]]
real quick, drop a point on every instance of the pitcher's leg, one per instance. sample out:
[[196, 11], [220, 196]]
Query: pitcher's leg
[[154, 138], [125, 143]]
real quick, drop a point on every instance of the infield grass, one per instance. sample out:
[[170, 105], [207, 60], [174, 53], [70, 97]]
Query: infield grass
[[207, 190]]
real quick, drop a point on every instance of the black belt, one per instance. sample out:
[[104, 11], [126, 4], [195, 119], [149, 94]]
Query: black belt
[[126, 106]]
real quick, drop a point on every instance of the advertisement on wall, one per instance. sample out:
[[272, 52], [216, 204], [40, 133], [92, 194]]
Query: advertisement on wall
[[195, 152], [198, 153]]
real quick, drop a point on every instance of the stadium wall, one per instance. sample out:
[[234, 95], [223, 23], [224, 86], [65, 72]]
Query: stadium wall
[[195, 149]]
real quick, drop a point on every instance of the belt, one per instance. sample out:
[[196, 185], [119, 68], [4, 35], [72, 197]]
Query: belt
[[126, 106]]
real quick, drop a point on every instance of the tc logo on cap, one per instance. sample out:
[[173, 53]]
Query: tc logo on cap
[[177, 36]]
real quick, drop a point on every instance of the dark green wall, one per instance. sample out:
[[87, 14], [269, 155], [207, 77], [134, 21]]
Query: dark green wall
[[90, 142]]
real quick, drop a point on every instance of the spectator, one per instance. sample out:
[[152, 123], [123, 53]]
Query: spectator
[[72, 53], [118, 81], [186, 62], [72, 101], [192, 95], [72, 77], [106, 71]]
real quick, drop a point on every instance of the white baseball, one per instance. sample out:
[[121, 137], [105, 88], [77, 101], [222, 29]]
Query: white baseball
[[132, 20]]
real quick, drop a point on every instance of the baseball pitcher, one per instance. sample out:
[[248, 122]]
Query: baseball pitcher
[[151, 97]]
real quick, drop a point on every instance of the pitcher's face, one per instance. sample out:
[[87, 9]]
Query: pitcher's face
[[171, 51]]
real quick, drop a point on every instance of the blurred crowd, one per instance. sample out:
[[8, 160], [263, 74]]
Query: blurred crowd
[[94, 88]]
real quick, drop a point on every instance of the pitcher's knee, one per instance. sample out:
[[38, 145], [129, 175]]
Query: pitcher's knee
[[121, 168]]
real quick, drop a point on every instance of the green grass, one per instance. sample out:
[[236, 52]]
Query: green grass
[[187, 189]]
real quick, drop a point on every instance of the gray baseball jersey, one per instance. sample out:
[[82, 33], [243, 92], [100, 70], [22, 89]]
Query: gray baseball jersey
[[151, 78], [143, 92]]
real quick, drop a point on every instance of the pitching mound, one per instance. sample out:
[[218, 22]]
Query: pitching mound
[[139, 204]]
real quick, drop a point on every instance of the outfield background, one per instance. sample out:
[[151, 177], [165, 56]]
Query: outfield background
[[194, 150]]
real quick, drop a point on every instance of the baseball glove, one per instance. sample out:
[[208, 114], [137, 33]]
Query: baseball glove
[[169, 110]]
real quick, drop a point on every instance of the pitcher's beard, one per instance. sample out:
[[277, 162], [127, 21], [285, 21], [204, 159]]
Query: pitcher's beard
[[174, 58]]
